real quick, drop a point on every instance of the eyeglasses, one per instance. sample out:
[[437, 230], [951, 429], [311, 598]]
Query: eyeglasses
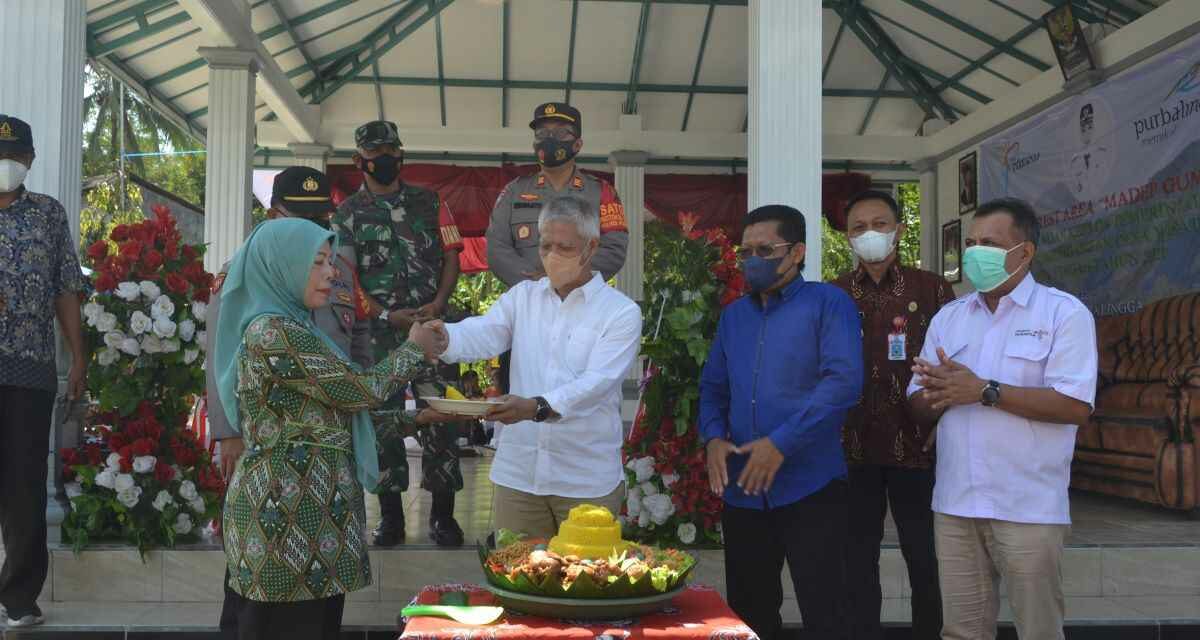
[[762, 251], [562, 134]]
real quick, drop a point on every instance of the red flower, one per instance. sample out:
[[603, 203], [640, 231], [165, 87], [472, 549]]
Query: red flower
[[94, 454], [176, 283], [70, 457], [126, 452], [105, 282], [131, 249], [146, 232], [120, 233], [163, 472], [153, 431], [98, 250], [189, 253], [145, 409], [201, 294], [171, 249], [143, 447], [152, 260]]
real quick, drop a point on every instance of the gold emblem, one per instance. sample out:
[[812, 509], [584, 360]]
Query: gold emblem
[[523, 232], [549, 110], [310, 184], [561, 154], [912, 306], [5, 130]]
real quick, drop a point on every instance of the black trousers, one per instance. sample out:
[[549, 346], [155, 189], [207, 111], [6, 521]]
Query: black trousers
[[25, 416], [910, 494], [304, 620], [230, 607], [811, 536]]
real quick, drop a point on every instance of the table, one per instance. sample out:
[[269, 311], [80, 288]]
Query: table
[[698, 613]]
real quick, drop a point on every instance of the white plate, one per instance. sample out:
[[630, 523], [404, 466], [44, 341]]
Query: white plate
[[472, 408]]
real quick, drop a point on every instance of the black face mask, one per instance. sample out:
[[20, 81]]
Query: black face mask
[[383, 169], [553, 152]]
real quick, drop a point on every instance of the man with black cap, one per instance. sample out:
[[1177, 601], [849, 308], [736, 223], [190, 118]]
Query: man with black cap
[[404, 243], [298, 192], [512, 235], [40, 280]]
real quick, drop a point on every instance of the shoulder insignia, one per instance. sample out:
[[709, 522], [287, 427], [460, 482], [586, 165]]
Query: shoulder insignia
[[523, 232], [541, 180], [530, 197], [344, 298], [577, 182]]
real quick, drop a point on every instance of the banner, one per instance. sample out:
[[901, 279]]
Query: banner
[[1114, 173]]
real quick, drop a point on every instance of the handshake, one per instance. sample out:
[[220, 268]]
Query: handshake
[[431, 336]]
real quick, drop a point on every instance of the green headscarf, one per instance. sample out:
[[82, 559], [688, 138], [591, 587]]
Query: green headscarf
[[268, 276]]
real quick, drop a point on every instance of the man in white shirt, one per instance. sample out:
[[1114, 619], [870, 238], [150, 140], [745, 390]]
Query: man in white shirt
[[1008, 372], [573, 339]]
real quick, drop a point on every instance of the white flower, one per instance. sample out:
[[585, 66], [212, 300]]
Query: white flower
[[633, 502], [151, 344], [648, 488], [669, 479], [643, 468], [131, 346], [170, 346], [139, 323], [686, 533], [124, 482], [106, 322], [197, 505], [113, 462], [660, 507], [91, 311], [128, 291], [183, 524], [106, 479], [187, 330], [190, 355], [202, 340], [149, 289], [107, 356], [113, 339], [187, 491], [162, 500], [164, 327], [74, 489], [162, 308], [144, 464], [200, 311], [643, 520], [129, 497]]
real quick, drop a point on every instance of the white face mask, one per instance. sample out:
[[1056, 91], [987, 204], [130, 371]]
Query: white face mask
[[12, 174], [873, 246]]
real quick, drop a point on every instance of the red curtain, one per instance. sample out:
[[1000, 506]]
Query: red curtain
[[716, 200]]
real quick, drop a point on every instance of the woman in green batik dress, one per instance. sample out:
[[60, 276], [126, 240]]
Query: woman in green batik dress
[[294, 519]]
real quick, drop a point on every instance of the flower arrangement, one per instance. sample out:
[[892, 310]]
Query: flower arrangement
[[141, 475], [668, 499]]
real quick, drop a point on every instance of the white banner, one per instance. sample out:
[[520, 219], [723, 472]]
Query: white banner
[[1115, 175]]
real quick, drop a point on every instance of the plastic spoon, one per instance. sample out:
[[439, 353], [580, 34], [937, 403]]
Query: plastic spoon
[[466, 615]]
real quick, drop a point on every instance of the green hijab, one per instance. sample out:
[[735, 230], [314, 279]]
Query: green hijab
[[267, 277]]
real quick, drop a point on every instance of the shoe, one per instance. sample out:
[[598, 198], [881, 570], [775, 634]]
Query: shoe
[[445, 532], [389, 533], [31, 619]]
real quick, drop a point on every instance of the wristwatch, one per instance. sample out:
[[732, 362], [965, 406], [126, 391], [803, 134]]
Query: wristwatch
[[383, 314], [543, 409], [991, 394]]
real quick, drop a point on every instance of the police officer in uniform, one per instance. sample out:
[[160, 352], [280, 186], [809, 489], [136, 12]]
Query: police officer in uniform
[[512, 235], [404, 243]]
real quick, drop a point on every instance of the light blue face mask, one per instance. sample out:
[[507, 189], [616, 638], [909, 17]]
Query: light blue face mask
[[984, 267]]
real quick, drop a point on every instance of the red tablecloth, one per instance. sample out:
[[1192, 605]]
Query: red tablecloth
[[697, 613]]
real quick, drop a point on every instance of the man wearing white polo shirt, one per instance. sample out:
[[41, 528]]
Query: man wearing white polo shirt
[[573, 338], [1007, 372]]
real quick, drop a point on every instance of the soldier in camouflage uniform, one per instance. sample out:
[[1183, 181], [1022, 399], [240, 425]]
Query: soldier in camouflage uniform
[[405, 244]]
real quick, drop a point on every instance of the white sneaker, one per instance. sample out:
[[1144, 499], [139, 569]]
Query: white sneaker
[[31, 620]]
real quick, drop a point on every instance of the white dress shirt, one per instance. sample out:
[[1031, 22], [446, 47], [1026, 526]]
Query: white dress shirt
[[991, 463], [575, 353]]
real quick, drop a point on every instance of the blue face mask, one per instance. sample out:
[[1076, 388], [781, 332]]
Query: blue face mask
[[984, 267], [761, 273]]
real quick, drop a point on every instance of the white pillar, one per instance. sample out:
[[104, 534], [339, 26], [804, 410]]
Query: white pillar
[[784, 133], [629, 171], [228, 183], [312, 156], [930, 226], [41, 82]]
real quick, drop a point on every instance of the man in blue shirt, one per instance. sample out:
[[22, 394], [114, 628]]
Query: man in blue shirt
[[785, 367]]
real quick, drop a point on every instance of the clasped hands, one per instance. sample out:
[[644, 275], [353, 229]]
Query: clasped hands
[[947, 383], [431, 336], [759, 472]]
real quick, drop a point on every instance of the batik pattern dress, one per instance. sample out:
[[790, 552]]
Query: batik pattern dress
[[294, 521]]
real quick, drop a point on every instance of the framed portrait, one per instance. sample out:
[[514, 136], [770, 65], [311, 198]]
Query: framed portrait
[[968, 193], [952, 251], [1069, 43]]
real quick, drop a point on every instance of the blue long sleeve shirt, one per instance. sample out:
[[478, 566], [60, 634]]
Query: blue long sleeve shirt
[[789, 371]]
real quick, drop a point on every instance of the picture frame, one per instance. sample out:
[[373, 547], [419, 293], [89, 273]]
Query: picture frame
[[952, 251], [968, 183], [1070, 45]]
